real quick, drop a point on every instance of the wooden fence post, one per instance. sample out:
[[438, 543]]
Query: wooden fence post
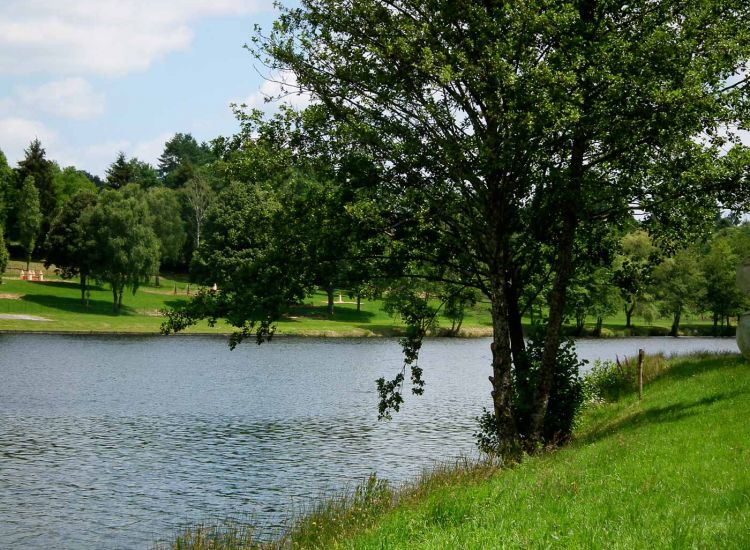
[[641, 353]]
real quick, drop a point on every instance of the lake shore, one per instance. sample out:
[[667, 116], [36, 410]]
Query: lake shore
[[637, 468]]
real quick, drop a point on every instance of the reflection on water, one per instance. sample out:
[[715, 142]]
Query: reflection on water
[[115, 442]]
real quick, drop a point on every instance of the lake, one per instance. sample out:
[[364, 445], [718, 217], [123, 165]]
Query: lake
[[115, 442]]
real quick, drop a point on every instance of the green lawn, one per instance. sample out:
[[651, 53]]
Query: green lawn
[[59, 301], [668, 472]]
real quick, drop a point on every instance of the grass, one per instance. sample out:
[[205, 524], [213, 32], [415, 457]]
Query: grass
[[667, 472], [59, 301]]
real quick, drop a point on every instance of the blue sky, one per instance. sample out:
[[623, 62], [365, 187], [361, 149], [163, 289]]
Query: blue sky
[[91, 78]]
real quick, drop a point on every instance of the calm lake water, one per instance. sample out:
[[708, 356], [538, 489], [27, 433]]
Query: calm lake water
[[115, 442]]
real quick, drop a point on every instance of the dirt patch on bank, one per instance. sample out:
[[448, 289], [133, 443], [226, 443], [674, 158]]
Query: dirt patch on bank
[[10, 296], [18, 317]]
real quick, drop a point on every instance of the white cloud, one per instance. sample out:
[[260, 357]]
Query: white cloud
[[67, 98], [106, 37], [97, 158], [280, 88], [16, 133]]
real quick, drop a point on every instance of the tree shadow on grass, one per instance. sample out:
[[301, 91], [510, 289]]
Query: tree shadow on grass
[[68, 285], [669, 413], [74, 305]]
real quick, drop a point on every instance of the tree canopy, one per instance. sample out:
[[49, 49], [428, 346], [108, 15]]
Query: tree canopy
[[506, 134]]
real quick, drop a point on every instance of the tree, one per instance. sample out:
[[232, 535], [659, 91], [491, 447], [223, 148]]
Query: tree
[[199, 196], [4, 256], [29, 217], [7, 185], [633, 271], [164, 209], [36, 165], [181, 157], [120, 172], [679, 285], [722, 297], [126, 251], [69, 182], [503, 134], [144, 174], [69, 246]]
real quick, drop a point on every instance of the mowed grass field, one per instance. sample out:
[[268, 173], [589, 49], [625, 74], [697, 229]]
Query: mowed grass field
[[58, 301]]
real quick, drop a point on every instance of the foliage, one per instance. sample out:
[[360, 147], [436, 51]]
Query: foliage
[[42, 171], [722, 296], [120, 173], [679, 285], [199, 197], [29, 217], [7, 185], [68, 246], [565, 402], [69, 182], [633, 272], [492, 167], [4, 256], [165, 213], [181, 157], [125, 249]]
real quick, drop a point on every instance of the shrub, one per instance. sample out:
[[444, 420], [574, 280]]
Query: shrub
[[565, 400]]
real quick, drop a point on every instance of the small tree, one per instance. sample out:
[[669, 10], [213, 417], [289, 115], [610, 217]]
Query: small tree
[[164, 207], [68, 245], [679, 284], [4, 256], [120, 172], [29, 217], [125, 249], [199, 196]]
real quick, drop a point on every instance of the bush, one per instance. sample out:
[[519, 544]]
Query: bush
[[565, 400], [4, 257]]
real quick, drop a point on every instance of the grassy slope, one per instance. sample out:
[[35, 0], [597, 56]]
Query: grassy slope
[[59, 301], [670, 472]]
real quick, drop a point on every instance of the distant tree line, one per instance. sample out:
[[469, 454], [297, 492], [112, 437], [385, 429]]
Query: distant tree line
[[119, 230]]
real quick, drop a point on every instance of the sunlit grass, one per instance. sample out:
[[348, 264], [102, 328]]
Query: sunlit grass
[[666, 472]]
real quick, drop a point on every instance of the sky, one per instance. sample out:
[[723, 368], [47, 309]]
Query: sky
[[91, 78]]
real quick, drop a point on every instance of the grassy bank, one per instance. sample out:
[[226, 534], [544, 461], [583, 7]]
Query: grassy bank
[[667, 472], [55, 306]]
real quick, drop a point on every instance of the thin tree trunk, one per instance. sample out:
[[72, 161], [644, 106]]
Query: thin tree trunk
[[329, 291], [114, 298], [629, 314], [598, 328], [359, 302], [83, 288]]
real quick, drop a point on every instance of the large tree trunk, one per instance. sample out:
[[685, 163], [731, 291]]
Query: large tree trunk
[[114, 298], [564, 271], [359, 302], [676, 322], [501, 379]]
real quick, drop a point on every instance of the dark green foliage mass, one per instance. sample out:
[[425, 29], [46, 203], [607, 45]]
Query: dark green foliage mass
[[504, 134], [29, 217]]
